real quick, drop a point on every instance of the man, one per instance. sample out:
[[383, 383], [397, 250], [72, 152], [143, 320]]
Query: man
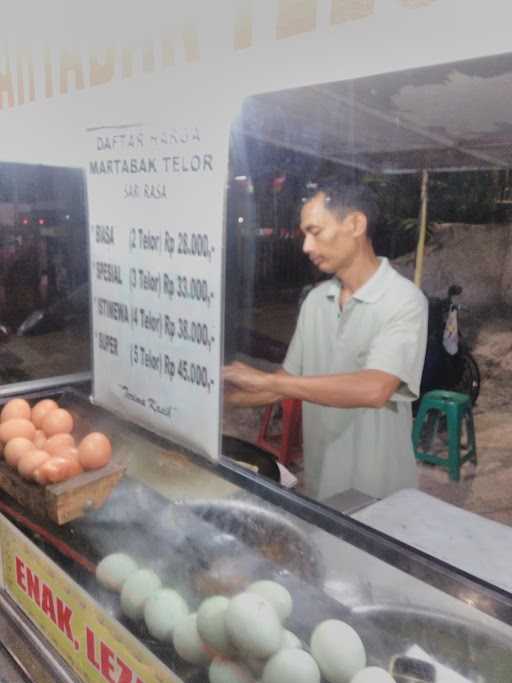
[[355, 359]]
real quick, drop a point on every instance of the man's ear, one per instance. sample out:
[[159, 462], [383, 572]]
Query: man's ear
[[359, 223]]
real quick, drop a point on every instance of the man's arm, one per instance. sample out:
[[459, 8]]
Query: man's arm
[[238, 397], [362, 389]]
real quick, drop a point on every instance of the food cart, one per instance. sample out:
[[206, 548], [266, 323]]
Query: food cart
[[152, 144], [212, 530]]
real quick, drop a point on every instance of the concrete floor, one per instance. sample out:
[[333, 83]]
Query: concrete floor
[[487, 488]]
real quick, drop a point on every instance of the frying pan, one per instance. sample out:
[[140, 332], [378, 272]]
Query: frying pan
[[246, 452]]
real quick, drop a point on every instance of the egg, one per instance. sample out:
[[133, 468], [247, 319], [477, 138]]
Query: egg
[[15, 448], [338, 651], [162, 611], [187, 641], [58, 442], [40, 439], [94, 451], [57, 469], [225, 671], [40, 409], [114, 569], [67, 452], [253, 625], [212, 627], [221, 577], [372, 674], [16, 408], [30, 461], [136, 590], [256, 666], [39, 476], [276, 595], [291, 666], [15, 428], [58, 421], [290, 641]]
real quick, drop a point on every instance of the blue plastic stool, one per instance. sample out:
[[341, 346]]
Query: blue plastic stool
[[457, 410]]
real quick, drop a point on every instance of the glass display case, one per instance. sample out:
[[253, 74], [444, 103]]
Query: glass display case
[[205, 530]]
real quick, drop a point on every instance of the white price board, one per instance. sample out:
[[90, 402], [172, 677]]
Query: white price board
[[156, 272]]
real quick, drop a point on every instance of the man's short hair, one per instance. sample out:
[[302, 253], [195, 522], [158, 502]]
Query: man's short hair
[[342, 198]]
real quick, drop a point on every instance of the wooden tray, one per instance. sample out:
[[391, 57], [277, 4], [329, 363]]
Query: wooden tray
[[67, 500]]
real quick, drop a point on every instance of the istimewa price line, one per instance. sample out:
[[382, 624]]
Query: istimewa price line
[[195, 332]]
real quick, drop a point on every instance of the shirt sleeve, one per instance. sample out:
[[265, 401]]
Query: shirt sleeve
[[294, 360], [399, 347]]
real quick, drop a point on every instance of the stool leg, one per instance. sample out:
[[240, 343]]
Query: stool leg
[[454, 429], [299, 430], [431, 428], [296, 425], [286, 432], [426, 426], [417, 429], [264, 424]]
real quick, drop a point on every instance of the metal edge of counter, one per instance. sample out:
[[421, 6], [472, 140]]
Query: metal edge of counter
[[29, 648], [37, 386]]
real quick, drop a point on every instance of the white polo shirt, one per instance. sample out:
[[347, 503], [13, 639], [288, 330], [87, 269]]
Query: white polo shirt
[[382, 327]]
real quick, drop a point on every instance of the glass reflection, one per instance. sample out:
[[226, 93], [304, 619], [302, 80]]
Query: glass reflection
[[44, 299], [451, 122]]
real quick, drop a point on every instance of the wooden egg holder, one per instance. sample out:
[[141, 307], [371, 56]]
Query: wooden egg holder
[[64, 501]]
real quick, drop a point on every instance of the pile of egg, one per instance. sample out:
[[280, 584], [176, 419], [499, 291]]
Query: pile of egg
[[241, 639], [38, 442]]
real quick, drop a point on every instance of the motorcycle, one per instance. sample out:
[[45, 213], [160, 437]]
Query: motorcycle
[[71, 309], [449, 363]]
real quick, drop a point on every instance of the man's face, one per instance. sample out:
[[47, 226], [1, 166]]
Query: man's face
[[330, 242]]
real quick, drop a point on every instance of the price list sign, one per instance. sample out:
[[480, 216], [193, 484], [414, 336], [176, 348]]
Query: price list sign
[[156, 213]]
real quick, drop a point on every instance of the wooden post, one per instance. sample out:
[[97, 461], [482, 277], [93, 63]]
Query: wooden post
[[420, 250]]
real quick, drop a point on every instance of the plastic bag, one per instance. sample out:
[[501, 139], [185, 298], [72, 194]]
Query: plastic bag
[[451, 332]]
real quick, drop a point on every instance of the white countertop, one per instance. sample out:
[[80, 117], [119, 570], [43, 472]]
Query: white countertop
[[463, 539]]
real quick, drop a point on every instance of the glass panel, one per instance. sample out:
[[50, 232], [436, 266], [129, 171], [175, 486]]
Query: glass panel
[[449, 125], [44, 292]]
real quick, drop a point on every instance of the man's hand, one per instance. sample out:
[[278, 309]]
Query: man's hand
[[246, 387], [246, 378]]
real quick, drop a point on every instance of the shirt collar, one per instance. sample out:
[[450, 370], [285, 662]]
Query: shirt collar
[[371, 291]]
